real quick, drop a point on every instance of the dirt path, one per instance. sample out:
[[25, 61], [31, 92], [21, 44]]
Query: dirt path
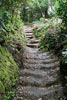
[[40, 78]]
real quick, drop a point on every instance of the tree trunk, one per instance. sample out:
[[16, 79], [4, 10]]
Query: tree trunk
[[46, 13], [24, 10]]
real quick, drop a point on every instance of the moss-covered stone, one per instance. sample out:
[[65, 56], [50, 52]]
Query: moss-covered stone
[[8, 70]]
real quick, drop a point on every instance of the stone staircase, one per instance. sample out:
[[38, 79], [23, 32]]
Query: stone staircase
[[40, 78]]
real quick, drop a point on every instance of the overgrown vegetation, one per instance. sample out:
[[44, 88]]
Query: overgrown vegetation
[[61, 7], [11, 24], [11, 35], [9, 96], [8, 71], [62, 13], [35, 9], [48, 34]]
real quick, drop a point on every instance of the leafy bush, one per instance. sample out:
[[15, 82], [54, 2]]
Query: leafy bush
[[10, 22], [15, 30], [49, 42], [62, 10], [14, 33], [48, 34]]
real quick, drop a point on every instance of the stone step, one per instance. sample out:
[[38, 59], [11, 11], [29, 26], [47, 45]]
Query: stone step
[[31, 51], [36, 57], [18, 98], [39, 61], [29, 34], [33, 45], [39, 82], [34, 93], [40, 79], [28, 31], [29, 37], [41, 66], [38, 73], [35, 73], [41, 56], [36, 51], [34, 41]]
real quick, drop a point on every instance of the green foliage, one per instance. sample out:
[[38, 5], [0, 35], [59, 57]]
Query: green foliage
[[11, 33], [62, 10], [41, 19], [9, 95], [49, 42], [34, 9], [8, 70], [15, 31], [48, 34], [12, 30], [10, 21], [2, 88]]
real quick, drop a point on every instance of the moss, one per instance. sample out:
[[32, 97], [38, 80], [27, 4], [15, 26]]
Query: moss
[[2, 88], [8, 70]]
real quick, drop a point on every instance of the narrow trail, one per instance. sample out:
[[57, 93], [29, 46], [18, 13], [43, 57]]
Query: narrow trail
[[40, 78]]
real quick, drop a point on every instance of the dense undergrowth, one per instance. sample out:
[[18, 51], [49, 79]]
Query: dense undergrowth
[[8, 71], [12, 32], [51, 35], [12, 39]]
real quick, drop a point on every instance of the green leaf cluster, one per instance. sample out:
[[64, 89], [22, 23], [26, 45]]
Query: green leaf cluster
[[48, 34], [34, 9], [62, 10], [9, 95]]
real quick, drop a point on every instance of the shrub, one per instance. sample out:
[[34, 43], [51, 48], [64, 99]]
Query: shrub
[[62, 10], [48, 34]]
